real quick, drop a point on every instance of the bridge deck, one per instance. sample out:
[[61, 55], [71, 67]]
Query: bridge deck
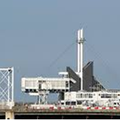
[[24, 112]]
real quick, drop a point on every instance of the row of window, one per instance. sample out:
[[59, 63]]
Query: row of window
[[72, 103], [30, 90], [102, 95], [84, 96], [108, 95]]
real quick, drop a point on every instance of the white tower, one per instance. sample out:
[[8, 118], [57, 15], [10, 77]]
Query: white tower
[[7, 87], [80, 56]]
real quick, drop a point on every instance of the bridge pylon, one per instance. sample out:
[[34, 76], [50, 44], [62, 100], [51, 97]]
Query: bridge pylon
[[6, 88]]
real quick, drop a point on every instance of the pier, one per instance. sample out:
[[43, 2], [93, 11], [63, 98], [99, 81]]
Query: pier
[[22, 112]]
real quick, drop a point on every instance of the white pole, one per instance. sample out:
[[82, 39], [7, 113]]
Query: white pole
[[81, 43], [80, 55]]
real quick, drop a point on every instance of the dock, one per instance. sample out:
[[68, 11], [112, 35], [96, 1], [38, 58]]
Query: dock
[[21, 111]]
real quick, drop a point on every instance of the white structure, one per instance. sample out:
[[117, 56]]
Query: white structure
[[100, 98], [40, 83], [80, 56], [41, 87], [7, 87]]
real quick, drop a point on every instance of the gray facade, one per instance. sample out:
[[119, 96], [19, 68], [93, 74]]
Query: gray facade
[[89, 81], [72, 74]]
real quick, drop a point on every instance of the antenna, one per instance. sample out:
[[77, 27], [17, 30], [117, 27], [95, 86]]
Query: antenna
[[80, 56]]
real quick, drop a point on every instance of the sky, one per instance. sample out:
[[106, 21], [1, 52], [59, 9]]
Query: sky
[[36, 38]]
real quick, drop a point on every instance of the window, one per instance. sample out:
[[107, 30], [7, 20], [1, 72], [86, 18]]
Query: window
[[39, 86], [79, 96], [114, 95], [73, 103], [106, 95], [79, 102], [67, 103], [86, 95], [90, 96], [67, 85], [62, 103]]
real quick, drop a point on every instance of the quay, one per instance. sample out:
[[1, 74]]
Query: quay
[[22, 112]]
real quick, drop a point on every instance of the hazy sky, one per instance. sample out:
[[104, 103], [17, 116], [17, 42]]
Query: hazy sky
[[34, 33]]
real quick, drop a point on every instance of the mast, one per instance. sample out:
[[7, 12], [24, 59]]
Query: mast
[[80, 56]]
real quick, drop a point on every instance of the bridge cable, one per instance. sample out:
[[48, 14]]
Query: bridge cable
[[62, 54], [103, 62]]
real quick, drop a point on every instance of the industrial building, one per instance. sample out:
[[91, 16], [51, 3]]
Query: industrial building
[[70, 81]]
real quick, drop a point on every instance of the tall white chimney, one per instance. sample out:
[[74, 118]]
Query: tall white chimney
[[80, 56]]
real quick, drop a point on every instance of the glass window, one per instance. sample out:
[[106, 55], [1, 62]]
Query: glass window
[[79, 95], [67, 84], [39, 86], [106, 95], [102, 96], [90, 96], [73, 103], [62, 103], [79, 102], [67, 103]]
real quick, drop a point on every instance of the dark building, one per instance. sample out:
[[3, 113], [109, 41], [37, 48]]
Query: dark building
[[89, 81]]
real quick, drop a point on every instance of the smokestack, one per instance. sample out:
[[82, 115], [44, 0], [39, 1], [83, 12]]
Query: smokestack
[[80, 56]]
